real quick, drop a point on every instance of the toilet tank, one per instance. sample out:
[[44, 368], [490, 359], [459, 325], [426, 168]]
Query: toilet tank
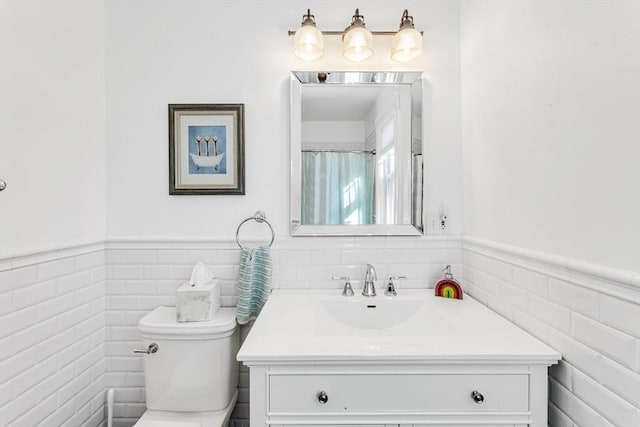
[[194, 368]]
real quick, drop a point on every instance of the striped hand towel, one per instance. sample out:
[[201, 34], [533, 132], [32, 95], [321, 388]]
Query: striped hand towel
[[254, 284]]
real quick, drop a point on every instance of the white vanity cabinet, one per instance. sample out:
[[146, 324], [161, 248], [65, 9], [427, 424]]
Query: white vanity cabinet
[[404, 394], [473, 369]]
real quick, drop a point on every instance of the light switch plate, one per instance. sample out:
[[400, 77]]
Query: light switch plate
[[434, 226]]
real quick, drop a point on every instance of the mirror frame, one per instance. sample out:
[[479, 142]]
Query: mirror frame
[[299, 78]]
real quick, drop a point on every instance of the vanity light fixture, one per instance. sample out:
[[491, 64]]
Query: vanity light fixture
[[357, 40], [407, 43], [308, 40]]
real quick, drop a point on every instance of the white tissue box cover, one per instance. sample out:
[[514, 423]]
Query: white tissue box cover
[[197, 303]]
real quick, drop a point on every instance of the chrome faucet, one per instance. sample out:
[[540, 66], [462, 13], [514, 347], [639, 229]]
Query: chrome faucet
[[370, 277]]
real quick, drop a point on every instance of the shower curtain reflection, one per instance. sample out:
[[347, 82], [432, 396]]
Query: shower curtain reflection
[[337, 188]]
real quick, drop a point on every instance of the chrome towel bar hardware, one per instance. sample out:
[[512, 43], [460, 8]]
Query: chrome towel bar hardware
[[258, 217], [3, 185]]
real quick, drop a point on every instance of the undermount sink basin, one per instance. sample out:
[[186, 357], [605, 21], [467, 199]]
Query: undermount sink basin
[[377, 316], [370, 313]]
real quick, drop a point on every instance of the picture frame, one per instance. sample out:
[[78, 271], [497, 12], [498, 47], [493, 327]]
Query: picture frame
[[206, 149]]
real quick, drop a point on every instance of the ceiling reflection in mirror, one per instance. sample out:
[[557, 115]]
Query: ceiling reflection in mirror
[[356, 150]]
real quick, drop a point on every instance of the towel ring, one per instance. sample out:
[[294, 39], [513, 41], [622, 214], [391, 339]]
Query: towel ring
[[258, 217]]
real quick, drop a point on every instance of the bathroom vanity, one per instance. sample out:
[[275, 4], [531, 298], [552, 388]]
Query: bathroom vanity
[[319, 358]]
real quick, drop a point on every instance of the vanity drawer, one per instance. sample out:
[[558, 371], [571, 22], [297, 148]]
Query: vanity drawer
[[398, 392]]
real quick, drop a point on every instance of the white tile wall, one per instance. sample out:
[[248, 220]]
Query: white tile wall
[[144, 275], [68, 320], [590, 316], [52, 339]]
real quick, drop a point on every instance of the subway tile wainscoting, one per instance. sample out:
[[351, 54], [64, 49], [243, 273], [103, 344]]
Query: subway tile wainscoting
[[52, 337], [590, 315], [55, 303]]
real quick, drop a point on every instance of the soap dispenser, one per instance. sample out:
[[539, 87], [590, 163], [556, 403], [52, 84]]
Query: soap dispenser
[[448, 287]]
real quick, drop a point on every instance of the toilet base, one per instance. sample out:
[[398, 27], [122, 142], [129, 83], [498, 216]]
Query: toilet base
[[153, 418]]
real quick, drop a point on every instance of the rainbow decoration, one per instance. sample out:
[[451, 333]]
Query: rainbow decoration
[[448, 288]]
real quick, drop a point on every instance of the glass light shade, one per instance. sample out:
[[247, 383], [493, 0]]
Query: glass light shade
[[308, 43], [406, 45], [357, 44]]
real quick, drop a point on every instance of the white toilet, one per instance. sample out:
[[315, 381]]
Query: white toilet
[[191, 379]]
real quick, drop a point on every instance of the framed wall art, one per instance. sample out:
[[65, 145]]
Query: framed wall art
[[206, 149]]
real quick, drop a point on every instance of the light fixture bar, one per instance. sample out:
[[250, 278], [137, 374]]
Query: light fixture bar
[[339, 33]]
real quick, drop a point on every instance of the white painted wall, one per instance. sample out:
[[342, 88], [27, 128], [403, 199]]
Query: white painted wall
[[159, 53], [550, 129], [332, 135], [52, 122], [53, 157], [550, 126]]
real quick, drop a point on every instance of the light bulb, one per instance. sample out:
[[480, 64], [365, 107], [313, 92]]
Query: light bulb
[[357, 41], [407, 43], [308, 41]]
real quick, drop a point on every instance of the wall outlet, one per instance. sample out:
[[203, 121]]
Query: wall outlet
[[444, 224], [437, 224]]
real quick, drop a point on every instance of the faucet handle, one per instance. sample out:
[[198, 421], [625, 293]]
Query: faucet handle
[[391, 289], [347, 291]]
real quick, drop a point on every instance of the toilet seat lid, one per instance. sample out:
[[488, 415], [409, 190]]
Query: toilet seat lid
[[163, 321]]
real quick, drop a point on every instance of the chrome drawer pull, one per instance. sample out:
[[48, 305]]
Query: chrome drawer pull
[[477, 396], [322, 397], [153, 347]]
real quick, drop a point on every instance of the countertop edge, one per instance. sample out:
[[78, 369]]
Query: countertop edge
[[547, 360]]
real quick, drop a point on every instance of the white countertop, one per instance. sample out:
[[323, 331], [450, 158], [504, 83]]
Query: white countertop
[[293, 327]]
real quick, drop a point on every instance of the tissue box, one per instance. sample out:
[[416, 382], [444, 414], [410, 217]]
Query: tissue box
[[197, 303]]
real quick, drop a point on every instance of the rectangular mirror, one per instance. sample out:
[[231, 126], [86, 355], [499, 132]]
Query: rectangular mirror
[[356, 153]]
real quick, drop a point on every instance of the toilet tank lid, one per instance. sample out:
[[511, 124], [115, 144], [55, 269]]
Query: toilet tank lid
[[162, 321]]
